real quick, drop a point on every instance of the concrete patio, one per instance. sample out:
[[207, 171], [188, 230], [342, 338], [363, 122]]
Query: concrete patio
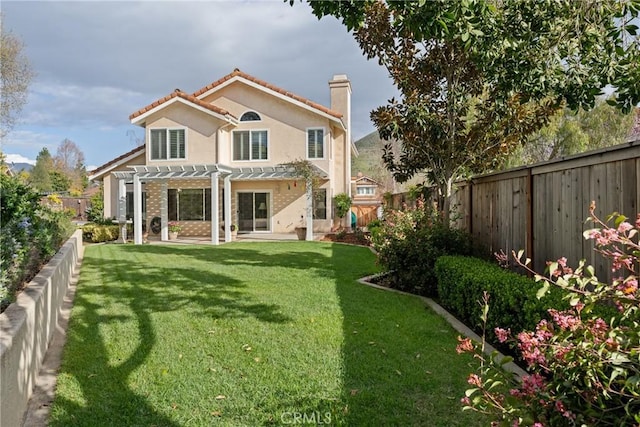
[[242, 237]]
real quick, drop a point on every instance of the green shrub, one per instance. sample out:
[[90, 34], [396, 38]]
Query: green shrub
[[98, 233], [87, 231], [30, 234], [512, 297], [95, 210], [408, 244]]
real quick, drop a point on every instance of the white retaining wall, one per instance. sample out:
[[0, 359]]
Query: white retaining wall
[[27, 326]]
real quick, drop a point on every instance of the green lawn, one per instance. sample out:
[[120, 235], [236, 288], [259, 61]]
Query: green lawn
[[252, 334]]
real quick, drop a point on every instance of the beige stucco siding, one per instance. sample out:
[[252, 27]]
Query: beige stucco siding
[[285, 123], [201, 130], [110, 187]]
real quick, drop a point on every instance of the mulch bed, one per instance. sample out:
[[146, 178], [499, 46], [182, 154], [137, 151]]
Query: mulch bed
[[351, 238]]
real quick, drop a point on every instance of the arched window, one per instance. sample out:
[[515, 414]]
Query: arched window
[[250, 116]]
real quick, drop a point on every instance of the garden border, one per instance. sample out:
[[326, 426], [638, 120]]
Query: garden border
[[27, 328], [455, 323]]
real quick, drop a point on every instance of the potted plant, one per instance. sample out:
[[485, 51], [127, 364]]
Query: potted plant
[[174, 229], [301, 232], [342, 203]]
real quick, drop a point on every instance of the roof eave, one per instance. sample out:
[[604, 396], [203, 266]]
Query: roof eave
[[272, 92], [141, 119], [106, 170]]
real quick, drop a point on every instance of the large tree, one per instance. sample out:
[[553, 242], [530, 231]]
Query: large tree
[[15, 76], [570, 132], [69, 162], [476, 77], [40, 178]]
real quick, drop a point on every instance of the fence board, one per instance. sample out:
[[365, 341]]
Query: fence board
[[498, 209]]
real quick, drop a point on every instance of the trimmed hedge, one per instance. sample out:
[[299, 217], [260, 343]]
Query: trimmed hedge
[[512, 303], [100, 233]]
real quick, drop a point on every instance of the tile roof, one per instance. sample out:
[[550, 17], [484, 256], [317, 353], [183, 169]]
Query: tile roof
[[139, 148], [238, 73], [183, 95]]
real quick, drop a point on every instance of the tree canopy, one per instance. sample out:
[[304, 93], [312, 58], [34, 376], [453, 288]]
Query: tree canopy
[[476, 77], [64, 172], [570, 132], [15, 76]]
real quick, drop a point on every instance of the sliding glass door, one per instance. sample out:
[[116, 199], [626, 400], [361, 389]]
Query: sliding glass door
[[253, 212]]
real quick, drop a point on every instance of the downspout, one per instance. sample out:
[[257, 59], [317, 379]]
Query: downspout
[[218, 133]]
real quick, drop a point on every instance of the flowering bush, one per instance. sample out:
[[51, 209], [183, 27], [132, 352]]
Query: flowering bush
[[408, 243], [174, 227], [30, 234], [583, 369]]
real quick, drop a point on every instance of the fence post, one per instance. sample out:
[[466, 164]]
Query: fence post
[[529, 226]]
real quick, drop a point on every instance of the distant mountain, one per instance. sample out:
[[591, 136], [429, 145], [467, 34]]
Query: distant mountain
[[369, 163], [18, 167]]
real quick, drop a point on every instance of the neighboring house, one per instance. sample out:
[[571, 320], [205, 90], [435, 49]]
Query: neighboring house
[[366, 199], [215, 157]]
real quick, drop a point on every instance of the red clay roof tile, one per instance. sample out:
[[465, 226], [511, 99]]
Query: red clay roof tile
[[238, 73], [116, 160], [183, 95]]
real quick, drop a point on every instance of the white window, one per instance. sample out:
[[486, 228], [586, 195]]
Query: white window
[[250, 145], [366, 191], [315, 143], [189, 204], [168, 144], [250, 116]]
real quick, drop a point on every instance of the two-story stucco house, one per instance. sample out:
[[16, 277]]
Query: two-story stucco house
[[215, 157]]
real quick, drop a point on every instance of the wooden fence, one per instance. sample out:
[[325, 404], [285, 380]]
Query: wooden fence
[[542, 208]]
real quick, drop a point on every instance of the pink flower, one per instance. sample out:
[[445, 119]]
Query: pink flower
[[465, 401], [474, 380], [624, 227], [561, 351], [629, 287], [564, 320], [532, 384], [529, 346], [465, 345], [599, 328], [502, 334]]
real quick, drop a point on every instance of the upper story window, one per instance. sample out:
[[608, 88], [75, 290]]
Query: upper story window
[[250, 116], [250, 145], [315, 143], [168, 144], [366, 191]]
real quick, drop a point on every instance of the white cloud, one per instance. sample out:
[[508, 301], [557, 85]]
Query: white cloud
[[17, 158], [98, 62]]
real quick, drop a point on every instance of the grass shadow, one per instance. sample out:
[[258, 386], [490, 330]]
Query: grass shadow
[[399, 361], [136, 289]]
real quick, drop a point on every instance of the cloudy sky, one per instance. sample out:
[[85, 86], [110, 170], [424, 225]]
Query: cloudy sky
[[96, 62]]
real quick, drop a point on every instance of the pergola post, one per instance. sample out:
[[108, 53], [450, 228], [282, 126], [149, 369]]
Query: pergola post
[[122, 209], [215, 221], [309, 194], [137, 210], [227, 208], [164, 210]]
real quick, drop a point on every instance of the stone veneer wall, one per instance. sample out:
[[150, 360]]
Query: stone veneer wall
[[288, 204]]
